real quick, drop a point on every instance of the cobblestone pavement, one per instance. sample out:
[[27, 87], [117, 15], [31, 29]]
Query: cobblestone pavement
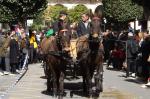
[[33, 86], [9, 81]]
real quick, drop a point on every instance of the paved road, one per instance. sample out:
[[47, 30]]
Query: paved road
[[7, 82], [114, 79], [33, 86]]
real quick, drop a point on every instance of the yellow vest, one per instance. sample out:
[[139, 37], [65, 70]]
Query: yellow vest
[[32, 40]]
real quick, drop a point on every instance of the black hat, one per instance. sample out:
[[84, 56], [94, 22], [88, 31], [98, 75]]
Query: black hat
[[63, 13]]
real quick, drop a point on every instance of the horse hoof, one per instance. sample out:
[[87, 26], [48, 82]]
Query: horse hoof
[[55, 95], [71, 94], [48, 90], [60, 97], [89, 96], [99, 90]]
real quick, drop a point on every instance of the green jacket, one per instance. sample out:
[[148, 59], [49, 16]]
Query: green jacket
[[49, 33]]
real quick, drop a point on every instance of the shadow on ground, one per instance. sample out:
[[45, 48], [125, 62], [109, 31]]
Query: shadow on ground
[[74, 88], [137, 81], [43, 77]]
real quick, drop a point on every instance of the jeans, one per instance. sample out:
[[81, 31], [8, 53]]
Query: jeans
[[131, 66], [5, 64]]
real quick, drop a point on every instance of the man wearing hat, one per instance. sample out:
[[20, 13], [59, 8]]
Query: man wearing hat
[[62, 26], [132, 49]]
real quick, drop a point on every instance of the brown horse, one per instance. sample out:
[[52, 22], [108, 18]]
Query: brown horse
[[54, 51], [90, 57]]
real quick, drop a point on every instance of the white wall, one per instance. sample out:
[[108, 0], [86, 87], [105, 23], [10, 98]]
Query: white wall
[[137, 27]]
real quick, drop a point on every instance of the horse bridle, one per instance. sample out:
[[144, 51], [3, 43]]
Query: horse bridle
[[96, 34]]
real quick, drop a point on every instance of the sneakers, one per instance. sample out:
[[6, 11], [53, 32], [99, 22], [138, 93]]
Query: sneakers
[[1, 73], [148, 84], [17, 70], [11, 74], [133, 75], [143, 86], [6, 73]]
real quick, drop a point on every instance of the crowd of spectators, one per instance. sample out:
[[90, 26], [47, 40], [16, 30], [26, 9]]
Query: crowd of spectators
[[129, 52], [17, 49]]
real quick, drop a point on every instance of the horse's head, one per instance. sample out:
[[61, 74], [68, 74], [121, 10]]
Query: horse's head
[[96, 22], [65, 44], [95, 33], [63, 36], [95, 26]]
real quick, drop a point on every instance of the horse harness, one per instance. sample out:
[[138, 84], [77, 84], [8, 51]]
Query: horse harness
[[61, 54]]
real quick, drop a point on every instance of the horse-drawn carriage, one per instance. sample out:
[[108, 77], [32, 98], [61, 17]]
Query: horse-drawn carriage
[[85, 52]]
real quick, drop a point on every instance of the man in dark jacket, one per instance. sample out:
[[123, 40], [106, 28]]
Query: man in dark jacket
[[14, 53], [132, 49], [62, 27], [145, 51], [62, 24], [83, 26]]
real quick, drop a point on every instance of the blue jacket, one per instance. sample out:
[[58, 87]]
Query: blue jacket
[[82, 30]]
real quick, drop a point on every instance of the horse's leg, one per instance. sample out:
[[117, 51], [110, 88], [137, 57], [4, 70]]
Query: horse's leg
[[49, 77], [83, 72], [54, 82], [84, 84], [89, 82], [45, 68], [48, 84], [54, 85], [61, 85], [99, 78]]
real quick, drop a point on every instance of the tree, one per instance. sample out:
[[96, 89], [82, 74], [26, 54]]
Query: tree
[[5, 15], [121, 11], [146, 6], [38, 22], [75, 1], [52, 12], [47, 13], [20, 10], [144, 3], [75, 13]]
